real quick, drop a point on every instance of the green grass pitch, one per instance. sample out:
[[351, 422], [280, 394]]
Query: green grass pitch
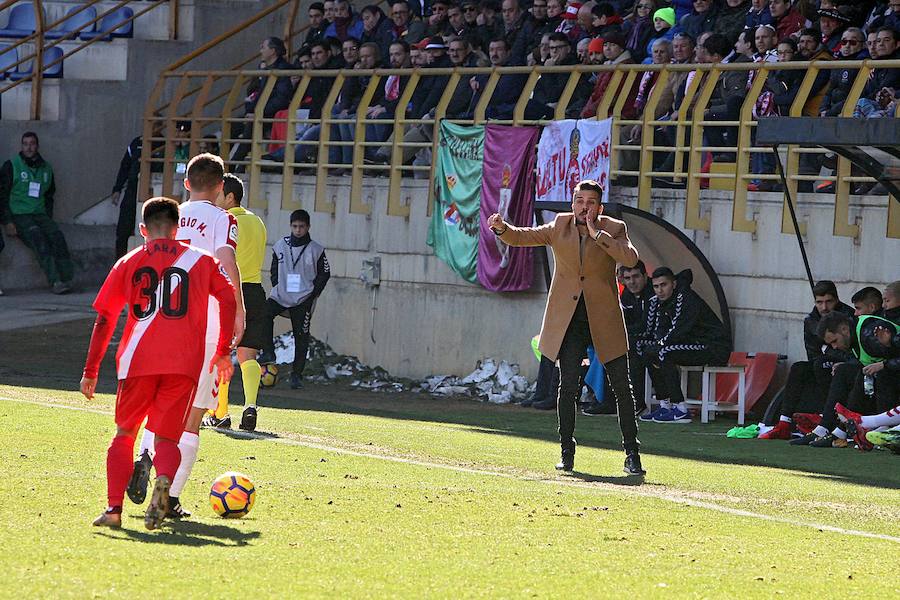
[[373, 495]]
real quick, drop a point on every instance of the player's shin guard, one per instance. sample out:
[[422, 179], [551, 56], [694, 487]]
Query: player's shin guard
[[250, 373], [188, 445], [119, 464], [147, 442], [167, 459], [222, 407]]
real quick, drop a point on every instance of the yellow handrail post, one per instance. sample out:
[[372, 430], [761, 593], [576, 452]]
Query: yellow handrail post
[[287, 176], [439, 111], [693, 218], [227, 115], [395, 207], [739, 220], [147, 144], [322, 204], [170, 128], [842, 225], [359, 137], [37, 68], [645, 184], [257, 141], [173, 19], [559, 112], [792, 164], [683, 112], [197, 114], [603, 113]]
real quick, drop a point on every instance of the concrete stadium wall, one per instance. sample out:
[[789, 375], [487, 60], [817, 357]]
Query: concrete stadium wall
[[97, 119], [429, 321]]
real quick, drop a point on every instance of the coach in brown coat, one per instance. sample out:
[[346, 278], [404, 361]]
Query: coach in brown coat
[[583, 308]]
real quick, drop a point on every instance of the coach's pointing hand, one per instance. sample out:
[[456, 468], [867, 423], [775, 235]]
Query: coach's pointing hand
[[497, 224], [88, 385]]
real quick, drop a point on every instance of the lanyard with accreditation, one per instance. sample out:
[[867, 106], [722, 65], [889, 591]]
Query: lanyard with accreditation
[[293, 279]]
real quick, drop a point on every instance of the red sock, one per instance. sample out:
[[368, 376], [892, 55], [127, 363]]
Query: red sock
[[119, 465], [167, 458]]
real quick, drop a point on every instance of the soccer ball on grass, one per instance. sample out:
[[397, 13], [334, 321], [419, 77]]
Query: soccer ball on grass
[[232, 495], [268, 376]]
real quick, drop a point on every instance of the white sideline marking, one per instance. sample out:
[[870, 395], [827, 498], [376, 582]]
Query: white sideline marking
[[608, 487]]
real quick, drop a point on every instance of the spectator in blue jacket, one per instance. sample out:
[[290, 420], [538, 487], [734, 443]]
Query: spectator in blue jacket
[[345, 24]]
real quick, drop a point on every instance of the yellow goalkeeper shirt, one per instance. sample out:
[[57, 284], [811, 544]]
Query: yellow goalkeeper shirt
[[251, 246]]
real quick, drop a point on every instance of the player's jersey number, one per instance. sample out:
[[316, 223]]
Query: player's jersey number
[[169, 290]]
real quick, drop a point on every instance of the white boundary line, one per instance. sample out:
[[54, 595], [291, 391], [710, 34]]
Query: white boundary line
[[607, 487]]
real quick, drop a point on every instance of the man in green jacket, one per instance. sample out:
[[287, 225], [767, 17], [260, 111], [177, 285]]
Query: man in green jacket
[[26, 208]]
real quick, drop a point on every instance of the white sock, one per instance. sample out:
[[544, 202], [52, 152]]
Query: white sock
[[147, 443], [840, 433], [820, 431], [885, 419], [682, 406], [189, 444], [785, 419], [666, 404]]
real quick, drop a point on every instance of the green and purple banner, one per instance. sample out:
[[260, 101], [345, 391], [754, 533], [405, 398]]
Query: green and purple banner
[[507, 188]]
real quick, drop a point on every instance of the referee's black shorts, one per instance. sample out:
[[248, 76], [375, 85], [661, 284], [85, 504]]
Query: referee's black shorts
[[257, 316]]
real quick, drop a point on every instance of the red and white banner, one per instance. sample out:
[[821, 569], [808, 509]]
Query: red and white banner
[[571, 151]]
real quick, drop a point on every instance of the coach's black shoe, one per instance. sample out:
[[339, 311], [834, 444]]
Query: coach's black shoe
[[567, 458], [212, 422], [633, 464], [825, 441], [176, 510], [248, 418], [140, 477], [296, 381], [599, 408], [545, 404]]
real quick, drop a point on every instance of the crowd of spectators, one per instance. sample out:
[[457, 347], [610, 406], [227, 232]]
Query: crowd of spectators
[[447, 33]]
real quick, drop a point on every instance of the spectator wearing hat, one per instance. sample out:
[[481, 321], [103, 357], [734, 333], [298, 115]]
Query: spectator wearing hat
[[731, 18], [432, 86], [832, 23], [639, 28], [663, 26], [615, 53], [787, 20], [595, 52], [405, 27]]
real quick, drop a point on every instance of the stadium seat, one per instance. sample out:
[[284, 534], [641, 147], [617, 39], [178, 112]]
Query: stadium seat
[[50, 55], [8, 58], [75, 24], [110, 26], [22, 22]]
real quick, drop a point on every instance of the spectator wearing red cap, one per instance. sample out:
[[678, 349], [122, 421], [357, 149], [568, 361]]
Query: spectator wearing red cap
[[595, 51], [616, 54]]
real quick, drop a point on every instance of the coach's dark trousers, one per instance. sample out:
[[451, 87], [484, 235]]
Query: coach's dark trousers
[[300, 317], [571, 353]]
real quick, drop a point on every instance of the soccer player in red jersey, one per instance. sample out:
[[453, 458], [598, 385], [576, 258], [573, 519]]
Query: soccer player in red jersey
[[165, 285]]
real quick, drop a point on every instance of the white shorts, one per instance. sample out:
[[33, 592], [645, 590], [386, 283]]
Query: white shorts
[[207, 396]]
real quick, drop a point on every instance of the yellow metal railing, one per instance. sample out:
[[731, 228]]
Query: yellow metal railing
[[41, 44], [189, 96]]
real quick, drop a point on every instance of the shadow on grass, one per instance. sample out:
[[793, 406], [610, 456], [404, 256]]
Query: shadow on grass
[[55, 354], [184, 533]]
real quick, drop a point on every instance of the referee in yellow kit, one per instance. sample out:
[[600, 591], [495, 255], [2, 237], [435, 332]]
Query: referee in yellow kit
[[251, 249]]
